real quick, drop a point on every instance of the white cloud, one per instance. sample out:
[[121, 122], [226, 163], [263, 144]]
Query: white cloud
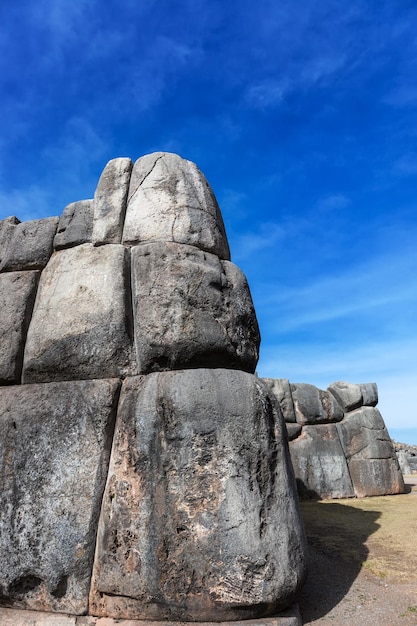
[[268, 234]]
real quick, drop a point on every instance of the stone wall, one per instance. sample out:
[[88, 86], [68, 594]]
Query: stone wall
[[339, 445], [144, 468]]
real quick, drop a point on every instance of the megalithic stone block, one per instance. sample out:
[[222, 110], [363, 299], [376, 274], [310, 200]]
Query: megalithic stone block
[[348, 395], [171, 200], [7, 227], [81, 327], [191, 310], [31, 245], [110, 200], [281, 388], [55, 444], [314, 406], [372, 462], [75, 225], [200, 517], [319, 463], [17, 296]]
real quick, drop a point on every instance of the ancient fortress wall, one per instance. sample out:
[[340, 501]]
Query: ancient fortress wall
[[339, 445], [144, 468]]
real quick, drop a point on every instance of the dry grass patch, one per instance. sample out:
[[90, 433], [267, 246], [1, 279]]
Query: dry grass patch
[[378, 533]]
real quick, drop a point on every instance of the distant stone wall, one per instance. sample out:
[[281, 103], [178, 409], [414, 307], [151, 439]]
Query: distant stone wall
[[339, 445], [144, 468]]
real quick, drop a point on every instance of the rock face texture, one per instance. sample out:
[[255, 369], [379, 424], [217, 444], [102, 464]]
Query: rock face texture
[[144, 468], [198, 468], [339, 445]]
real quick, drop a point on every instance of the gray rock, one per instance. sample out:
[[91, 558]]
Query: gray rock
[[170, 200], [280, 387], [75, 225], [348, 395], [293, 430], [371, 457], [369, 394], [55, 442], [81, 326], [402, 457], [7, 227], [17, 296], [319, 463], [314, 406], [110, 201], [191, 310], [200, 519], [31, 245]]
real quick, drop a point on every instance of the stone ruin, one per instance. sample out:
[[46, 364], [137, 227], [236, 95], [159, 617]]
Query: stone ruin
[[145, 469], [339, 445]]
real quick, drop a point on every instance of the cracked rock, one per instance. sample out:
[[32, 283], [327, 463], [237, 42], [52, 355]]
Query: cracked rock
[[171, 200]]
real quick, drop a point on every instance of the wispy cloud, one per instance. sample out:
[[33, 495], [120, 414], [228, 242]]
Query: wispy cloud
[[266, 236], [333, 202]]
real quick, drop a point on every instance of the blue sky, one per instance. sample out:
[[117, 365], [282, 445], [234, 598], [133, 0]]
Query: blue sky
[[302, 115]]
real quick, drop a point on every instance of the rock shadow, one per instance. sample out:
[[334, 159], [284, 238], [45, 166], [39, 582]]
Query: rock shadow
[[336, 535]]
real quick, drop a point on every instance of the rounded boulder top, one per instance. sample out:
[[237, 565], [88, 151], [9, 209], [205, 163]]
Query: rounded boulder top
[[169, 199]]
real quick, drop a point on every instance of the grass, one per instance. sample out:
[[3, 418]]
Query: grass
[[378, 533]]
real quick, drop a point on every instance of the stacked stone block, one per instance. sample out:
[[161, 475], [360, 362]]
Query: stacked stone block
[[144, 468], [339, 445]]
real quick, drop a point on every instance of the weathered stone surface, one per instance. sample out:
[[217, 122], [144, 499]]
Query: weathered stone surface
[[17, 617], [31, 245], [170, 200], [348, 395], [110, 201], [289, 617], [371, 457], [55, 442], [293, 430], [17, 296], [199, 518], [319, 463], [314, 406], [280, 387], [376, 477], [81, 324], [75, 225], [191, 310], [7, 227], [369, 394]]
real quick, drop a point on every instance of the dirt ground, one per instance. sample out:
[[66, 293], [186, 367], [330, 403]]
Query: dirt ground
[[362, 561]]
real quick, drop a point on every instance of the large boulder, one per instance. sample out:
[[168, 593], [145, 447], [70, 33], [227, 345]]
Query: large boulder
[[200, 518], [17, 296], [171, 200], [55, 442], [372, 462], [348, 395], [319, 463], [314, 406], [7, 227], [110, 200], [31, 245], [81, 326], [281, 389], [191, 310], [75, 225]]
